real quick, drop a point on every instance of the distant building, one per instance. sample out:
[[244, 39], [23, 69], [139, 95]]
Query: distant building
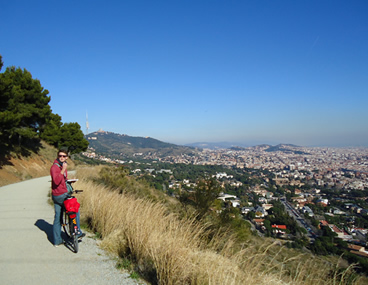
[[267, 206], [258, 222], [281, 181], [260, 211], [337, 211], [358, 250], [165, 171], [322, 202], [225, 197], [308, 210], [279, 229], [235, 202], [340, 233], [246, 210], [360, 234], [222, 175]]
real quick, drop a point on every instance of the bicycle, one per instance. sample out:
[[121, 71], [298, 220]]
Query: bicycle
[[69, 221]]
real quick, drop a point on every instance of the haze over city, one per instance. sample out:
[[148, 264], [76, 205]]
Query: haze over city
[[199, 71]]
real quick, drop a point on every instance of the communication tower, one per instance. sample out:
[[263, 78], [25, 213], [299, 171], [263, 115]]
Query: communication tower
[[87, 124]]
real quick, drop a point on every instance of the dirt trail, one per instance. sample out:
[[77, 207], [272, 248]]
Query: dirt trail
[[27, 255]]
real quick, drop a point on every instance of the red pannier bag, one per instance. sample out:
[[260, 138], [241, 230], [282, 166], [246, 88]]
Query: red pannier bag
[[71, 206]]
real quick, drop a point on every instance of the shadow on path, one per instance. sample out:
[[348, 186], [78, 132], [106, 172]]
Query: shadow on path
[[47, 228]]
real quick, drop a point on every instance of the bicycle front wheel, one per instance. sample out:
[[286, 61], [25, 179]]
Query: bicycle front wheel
[[65, 222]]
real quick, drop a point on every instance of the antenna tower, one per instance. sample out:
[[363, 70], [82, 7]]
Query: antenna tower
[[87, 124]]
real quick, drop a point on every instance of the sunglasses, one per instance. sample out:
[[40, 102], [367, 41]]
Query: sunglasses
[[60, 155]]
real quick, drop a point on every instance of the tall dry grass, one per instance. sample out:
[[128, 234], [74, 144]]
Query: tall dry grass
[[169, 250]]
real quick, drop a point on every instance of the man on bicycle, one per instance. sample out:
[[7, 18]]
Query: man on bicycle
[[59, 176]]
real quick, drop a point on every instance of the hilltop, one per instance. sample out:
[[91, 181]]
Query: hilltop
[[286, 148], [122, 145]]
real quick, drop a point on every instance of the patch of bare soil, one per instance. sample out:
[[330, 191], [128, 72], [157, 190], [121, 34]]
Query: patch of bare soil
[[23, 169]]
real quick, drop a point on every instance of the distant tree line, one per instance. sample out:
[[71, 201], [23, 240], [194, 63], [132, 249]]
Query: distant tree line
[[26, 117]]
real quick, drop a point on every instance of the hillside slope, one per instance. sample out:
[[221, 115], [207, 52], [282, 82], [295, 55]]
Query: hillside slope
[[18, 169]]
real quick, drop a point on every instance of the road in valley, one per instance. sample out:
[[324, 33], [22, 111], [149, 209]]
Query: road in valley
[[27, 255], [299, 219]]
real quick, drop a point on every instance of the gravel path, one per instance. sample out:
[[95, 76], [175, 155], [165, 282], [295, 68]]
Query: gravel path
[[27, 255]]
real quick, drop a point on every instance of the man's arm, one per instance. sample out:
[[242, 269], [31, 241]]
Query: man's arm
[[56, 175]]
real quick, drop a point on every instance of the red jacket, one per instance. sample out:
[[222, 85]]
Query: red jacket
[[58, 185]]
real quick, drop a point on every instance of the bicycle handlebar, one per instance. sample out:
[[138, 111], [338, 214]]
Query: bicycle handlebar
[[77, 191]]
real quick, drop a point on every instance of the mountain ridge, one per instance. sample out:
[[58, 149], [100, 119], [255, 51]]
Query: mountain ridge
[[123, 145]]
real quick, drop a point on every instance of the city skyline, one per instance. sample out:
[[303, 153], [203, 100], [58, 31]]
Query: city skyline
[[200, 71]]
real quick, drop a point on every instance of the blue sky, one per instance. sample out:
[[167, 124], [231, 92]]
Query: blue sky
[[199, 70]]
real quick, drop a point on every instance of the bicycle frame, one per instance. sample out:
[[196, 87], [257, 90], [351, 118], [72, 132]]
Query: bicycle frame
[[69, 223]]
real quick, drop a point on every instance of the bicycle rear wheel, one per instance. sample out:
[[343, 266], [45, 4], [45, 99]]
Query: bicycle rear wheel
[[65, 222], [75, 243], [74, 234]]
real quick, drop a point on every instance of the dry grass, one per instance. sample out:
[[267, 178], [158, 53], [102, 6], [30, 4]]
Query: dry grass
[[169, 250]]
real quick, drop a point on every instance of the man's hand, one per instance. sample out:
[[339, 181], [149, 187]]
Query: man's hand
[[65, 165]]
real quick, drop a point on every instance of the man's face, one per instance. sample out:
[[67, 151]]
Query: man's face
[[62, 156]]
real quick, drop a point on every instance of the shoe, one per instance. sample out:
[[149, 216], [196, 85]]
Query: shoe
[[81, 235]]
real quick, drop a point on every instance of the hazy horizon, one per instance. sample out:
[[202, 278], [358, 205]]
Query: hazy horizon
[[241, 71], [233, 143]]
